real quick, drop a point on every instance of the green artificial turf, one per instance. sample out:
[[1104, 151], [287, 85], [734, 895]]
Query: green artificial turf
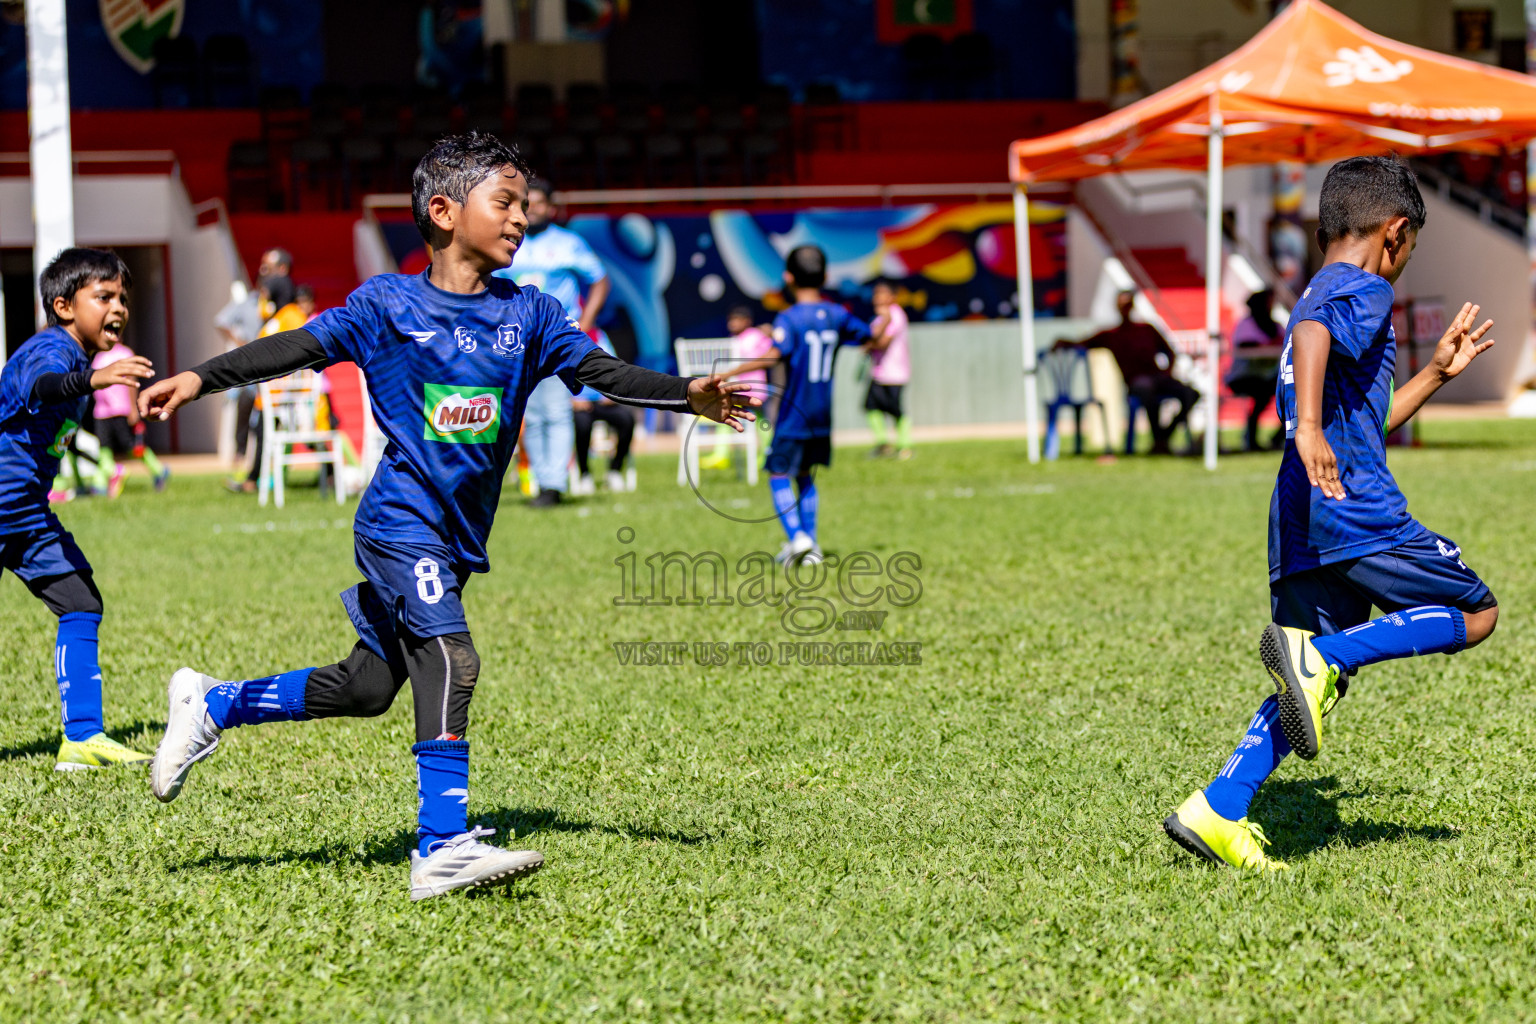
[[975, 837]]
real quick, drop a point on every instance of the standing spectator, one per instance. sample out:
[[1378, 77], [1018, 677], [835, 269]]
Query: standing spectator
[[560, 263], [890, 368], [289, 318], [1137, 348], [274, 281], [1256, 377], [120, 430], [591, 407], [238, 323]]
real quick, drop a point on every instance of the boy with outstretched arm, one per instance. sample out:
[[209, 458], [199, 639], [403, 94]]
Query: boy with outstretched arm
[[806, 337], [43, 394], [1340, 536], [451, 355]]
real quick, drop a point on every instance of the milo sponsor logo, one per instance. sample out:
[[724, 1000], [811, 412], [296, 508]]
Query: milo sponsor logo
[[461, 414], [63, 439]]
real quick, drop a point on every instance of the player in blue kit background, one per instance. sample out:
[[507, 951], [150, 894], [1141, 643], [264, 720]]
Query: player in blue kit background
[[43, 394], [1340, 536], [806, 337], [451, 356]]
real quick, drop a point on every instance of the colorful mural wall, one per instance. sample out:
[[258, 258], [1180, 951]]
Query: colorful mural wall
[[677, 275]]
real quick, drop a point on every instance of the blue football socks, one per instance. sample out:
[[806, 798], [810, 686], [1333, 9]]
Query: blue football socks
[[1429, 629], [1258, 754], [278, 698], [807, 486], [442, 773], [79, 675], [785, 505]]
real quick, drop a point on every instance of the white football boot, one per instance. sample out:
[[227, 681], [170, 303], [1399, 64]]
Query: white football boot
[[796, 549], [464, 862], [190, 734]]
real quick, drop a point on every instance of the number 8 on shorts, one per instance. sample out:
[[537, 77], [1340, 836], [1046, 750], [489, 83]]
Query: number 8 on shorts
[[429, 586]]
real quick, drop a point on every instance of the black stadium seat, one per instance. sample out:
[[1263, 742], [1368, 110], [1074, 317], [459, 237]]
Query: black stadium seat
[[227, 71]]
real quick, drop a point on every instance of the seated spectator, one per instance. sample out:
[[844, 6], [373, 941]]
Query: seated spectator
[[1145, 358], [1252, 377], [588, 408]]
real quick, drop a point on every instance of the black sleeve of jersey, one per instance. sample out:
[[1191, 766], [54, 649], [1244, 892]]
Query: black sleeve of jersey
[[61, 387], [262, 359], [632, 385]]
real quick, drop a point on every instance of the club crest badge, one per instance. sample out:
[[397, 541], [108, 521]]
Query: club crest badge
[[135, 26], [509, 339]]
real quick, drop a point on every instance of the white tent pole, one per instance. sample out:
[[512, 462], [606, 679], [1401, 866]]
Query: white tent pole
[[1026, 320], [1213, 205], [53, 196]]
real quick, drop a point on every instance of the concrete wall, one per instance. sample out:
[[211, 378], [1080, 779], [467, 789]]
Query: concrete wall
[[1459, 259], [151, 209], [970, 371]]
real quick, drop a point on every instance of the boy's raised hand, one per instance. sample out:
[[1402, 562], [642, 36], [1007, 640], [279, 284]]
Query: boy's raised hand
[[723, 401], [164, 397], [127, 371], [1460, 344]]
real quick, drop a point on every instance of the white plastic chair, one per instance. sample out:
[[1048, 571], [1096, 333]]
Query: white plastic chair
[[289, 409], [697, 357]]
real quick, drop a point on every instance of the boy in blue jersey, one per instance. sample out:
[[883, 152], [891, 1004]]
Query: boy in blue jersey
[[806, 337], [1340, 536], [451, 355], [43, 394]]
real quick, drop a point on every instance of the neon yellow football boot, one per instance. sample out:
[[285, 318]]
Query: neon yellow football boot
[[100, 751], [1305, 685], [1207, 834]]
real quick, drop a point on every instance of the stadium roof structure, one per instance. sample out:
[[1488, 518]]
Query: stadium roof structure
[[1311, 86]]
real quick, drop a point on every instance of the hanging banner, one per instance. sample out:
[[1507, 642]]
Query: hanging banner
[[1125, 81], [677, 275]]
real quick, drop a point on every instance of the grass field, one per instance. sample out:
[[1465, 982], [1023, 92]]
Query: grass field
[[972, 838]]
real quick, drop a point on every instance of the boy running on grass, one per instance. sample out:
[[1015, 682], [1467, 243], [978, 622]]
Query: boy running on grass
[[43, 394], [451, 355], [1340, 536], [806, 337]]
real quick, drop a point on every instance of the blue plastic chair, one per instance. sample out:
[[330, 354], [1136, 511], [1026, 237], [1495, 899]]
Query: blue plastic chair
[[1066, 384]]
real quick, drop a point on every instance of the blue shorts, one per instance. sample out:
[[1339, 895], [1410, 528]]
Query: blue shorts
[[794, 456], [41, 553], [1425, 569], [410, 587]]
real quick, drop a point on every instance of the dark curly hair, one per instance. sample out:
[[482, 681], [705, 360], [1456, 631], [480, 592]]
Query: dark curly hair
[[453, 167]]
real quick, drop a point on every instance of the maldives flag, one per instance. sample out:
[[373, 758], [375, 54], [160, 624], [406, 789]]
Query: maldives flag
[[895, 20]]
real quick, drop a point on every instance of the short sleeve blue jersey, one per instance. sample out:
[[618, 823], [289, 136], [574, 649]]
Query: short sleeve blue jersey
[[448, 376], [34, 436], [559, 262], [807, 336], [1307, 530]]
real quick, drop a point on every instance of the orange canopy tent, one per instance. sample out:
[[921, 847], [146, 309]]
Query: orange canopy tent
[[1312, 86]]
